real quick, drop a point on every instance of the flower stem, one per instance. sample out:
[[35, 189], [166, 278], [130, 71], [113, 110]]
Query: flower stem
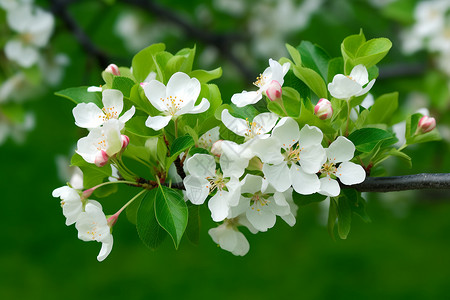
[[113, 219], [89, 192]]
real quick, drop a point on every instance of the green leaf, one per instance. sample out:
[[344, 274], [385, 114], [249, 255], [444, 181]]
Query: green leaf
[[92, 175], [403, 156], [335, 66], [205, 76], [179, 145], [144, 62], [188, 54], [133, 208], [414, 137], [366, 139], [136, 125], [294, 54], [148, 228], [344, 214], [332, 215], [314, 57], [123, 84], [303, 200], [171, 212], [357, 203], [81, 95], [383, 109], [291, 102], [193, 226], [372, 52], [313, 80]]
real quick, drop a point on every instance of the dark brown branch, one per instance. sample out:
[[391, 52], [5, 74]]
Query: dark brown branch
[[222, 42]]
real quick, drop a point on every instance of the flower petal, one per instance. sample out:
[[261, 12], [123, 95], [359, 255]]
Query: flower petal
[[182, 86], [268, 150], [266, 122], [251, 184], [312, 158], [202, 107], [112, 101], [350, 173], [246, 98], [329, 187], [278, 176], [236, 125], [302, 182], [367, 88], [310, 135], [261, 217], [287, 132], [155, 92], [106, 248], [343, 87], [157, 122], [127, 115], [24, 55], [197, 189], [360, 75], [88, 115], [201, 165], [218, 205], [342, 149]]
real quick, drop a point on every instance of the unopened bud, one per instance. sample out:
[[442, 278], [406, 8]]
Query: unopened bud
[[274, 92], [323, 109], [216, 148], [87, 193], [426, 124], [143, 83], [125, 141], [101, 159], [113, 69], [111, 220]]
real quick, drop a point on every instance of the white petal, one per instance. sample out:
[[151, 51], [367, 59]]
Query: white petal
[[342, 149], [127, 115], [106, 248], [350, 173], [218, 205], [287, 132], [92, 89], [197, 189], [251, 184], [113, 101], [329, 187], [312, 158], [111, 129], [246, 98], [343, 87], [157, 122], [201, 165], [360, 75], [242, 245], [310, 135], [202, 107], [268, 150], [155, 92], [88, 115], [278, 176], [367, 88], [302, 182], [24, 55], [209, 138], [261, 217], [41, 27], [236, 125], [277, 71], [266, 122], [184, 87], [20, 17], [280, 206]]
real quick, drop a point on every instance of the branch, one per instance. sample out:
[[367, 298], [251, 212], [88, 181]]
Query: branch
[[422, 181], [400, 70], [222, 42], [59, 9]]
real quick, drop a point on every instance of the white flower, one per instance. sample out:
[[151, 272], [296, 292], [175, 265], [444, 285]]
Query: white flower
[[92, 225], [70, 202], [302, 157], [89, 115], [344, 87], [229, 238], [53, 68], [274, 72], [34, 27], [259, 127], [207, 140], [101, 143], [177, 99], [340, 152], [204, 179]]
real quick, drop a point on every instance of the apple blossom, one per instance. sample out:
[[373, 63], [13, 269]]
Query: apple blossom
[[92, 225], [356, 84], [229, 238], [207, 140], [337, 164], [259, 127], [71, 203], [275, 72], [323, 109], [274, 91], [101, 143], [89, 115], [113, 69], [177, 99], [426, 124]]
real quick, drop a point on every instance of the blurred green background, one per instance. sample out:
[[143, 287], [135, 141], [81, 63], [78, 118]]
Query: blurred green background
[[402, 254]]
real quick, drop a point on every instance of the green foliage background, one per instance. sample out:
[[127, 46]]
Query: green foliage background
[[394, 257]]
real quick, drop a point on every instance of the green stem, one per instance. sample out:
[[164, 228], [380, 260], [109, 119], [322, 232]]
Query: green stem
[[132, 199], [348, 117], [176, 127]]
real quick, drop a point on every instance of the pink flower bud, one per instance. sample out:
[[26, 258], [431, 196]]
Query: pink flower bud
[[113, 69], [323, 109], [101, 159], [87, 193], [216, 148], [125, 141], [274, 91], [426, 124], [111, 220], [143, 83]]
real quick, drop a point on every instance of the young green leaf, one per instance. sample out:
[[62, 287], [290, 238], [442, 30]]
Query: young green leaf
[[366, 139], [123, 84], [383, 109], [344, 215], [314, 57], [81, 95], [313, 80]]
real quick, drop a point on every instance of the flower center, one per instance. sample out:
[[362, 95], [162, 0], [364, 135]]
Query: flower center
[[329, 168], [93, 232], [173, 104], [101, 144], [26, 38], [253, 130], [109, 113], [292, 155], [260, 80], [258, 201], [217, 182]]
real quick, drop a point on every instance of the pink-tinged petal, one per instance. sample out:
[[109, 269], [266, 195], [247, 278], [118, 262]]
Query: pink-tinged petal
[[367, 88], [88, 115], [127, 115], [343, 87], [251, 184], [113, 101], [201, 165], [342, 149], [350, 173], [197, 189], [312, 158], [329, 187], [157, 122], [236, 125], [310, 135], [278, 176], [261, 217], [106, 248], [246, 98], [266, 122], [218, 205], [155, 92], [360, 75], [183, 87], [287, 132], [302, 182], [202, 107]]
